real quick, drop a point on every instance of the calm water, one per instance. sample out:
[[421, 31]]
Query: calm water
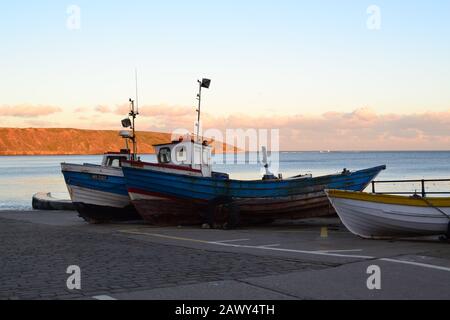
[[21, 177]]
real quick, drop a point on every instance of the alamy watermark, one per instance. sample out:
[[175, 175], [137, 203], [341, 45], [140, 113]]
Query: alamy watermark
[[73, 21], [374, 20], [239, 146], [74, 280], [374, 280]]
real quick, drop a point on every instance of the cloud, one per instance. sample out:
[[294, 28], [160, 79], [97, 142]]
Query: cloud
[[122, 109], [159, 110], [103, 109], [361, 129], [81, 110], [164, 110], [40, 123], [28, 111]]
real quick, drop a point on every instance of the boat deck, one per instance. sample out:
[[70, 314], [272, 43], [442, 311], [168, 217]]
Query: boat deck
[[312, 259]]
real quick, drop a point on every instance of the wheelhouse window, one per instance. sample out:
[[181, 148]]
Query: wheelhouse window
[[206, 157], [115, 161], [164, 155], [181, 154], [197, 155]]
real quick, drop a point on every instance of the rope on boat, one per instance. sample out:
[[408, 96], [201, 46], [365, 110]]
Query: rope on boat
[[432, 206], [447, 235]]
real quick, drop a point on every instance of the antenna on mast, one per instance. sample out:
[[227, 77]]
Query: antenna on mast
[[127, 123], [137, 93], [133, 115]]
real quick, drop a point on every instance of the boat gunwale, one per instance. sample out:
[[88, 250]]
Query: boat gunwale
[[133, 181], [388, 199], [377, 170]]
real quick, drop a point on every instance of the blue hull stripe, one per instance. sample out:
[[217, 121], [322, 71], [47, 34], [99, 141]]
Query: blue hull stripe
[[111, 184], [200, 188]]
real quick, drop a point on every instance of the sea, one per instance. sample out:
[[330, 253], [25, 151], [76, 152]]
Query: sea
[[23, 176]]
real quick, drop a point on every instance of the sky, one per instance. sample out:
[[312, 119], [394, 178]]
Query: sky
[[350, 74]]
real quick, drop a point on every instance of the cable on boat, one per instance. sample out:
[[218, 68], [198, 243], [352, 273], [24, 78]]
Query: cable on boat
[[432, 206], [441, 211]]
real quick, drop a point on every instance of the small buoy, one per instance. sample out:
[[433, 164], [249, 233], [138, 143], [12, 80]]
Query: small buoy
[[324, 232]]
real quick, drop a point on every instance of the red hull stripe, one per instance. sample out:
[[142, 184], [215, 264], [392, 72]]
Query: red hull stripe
[[157, 194], [168, 166]]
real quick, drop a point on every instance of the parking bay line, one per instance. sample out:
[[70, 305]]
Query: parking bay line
[[236, 240], [417, 264], [334, 251], [320, 253], [270, 245], [248, 246], [104, 298]]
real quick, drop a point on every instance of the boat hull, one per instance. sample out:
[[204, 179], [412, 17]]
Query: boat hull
[[158, 195], [162, 211], [382, 217], [99, 193]]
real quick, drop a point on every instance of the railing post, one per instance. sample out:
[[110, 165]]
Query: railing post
[[373, 186], [423, 189]]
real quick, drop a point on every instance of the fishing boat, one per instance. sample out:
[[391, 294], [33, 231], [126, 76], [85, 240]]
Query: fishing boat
[[167, 192], [384, 216], [182, 188], [98, 192]]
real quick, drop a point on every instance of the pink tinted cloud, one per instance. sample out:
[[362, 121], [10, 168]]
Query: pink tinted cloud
[[160, 110], [103, 109], [362, 129], [28, 111], [81, 110]]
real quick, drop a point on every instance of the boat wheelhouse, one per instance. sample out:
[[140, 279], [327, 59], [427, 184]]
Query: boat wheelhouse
[[186, 155]]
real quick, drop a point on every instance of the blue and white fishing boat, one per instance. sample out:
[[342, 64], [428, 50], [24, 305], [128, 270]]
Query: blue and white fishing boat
[[182, 188], [169, 192], [98, 192]]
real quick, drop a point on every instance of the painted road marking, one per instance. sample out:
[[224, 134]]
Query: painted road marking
[[240, 240], [163, 236], [104, 297], [320, 253], [237, 240], [418, 264], [308, 231], [334, 251], [248, 246]]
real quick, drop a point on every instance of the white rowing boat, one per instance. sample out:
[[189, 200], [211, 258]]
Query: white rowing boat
[[376, 216]]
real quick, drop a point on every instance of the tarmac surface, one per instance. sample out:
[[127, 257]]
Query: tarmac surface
[[310, 259]]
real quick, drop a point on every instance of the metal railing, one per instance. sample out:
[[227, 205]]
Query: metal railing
[[422, 182]]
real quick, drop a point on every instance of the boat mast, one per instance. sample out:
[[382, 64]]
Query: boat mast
[[133, 114], [199, 98], [127, 123], [137, 93], [205, 83]]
